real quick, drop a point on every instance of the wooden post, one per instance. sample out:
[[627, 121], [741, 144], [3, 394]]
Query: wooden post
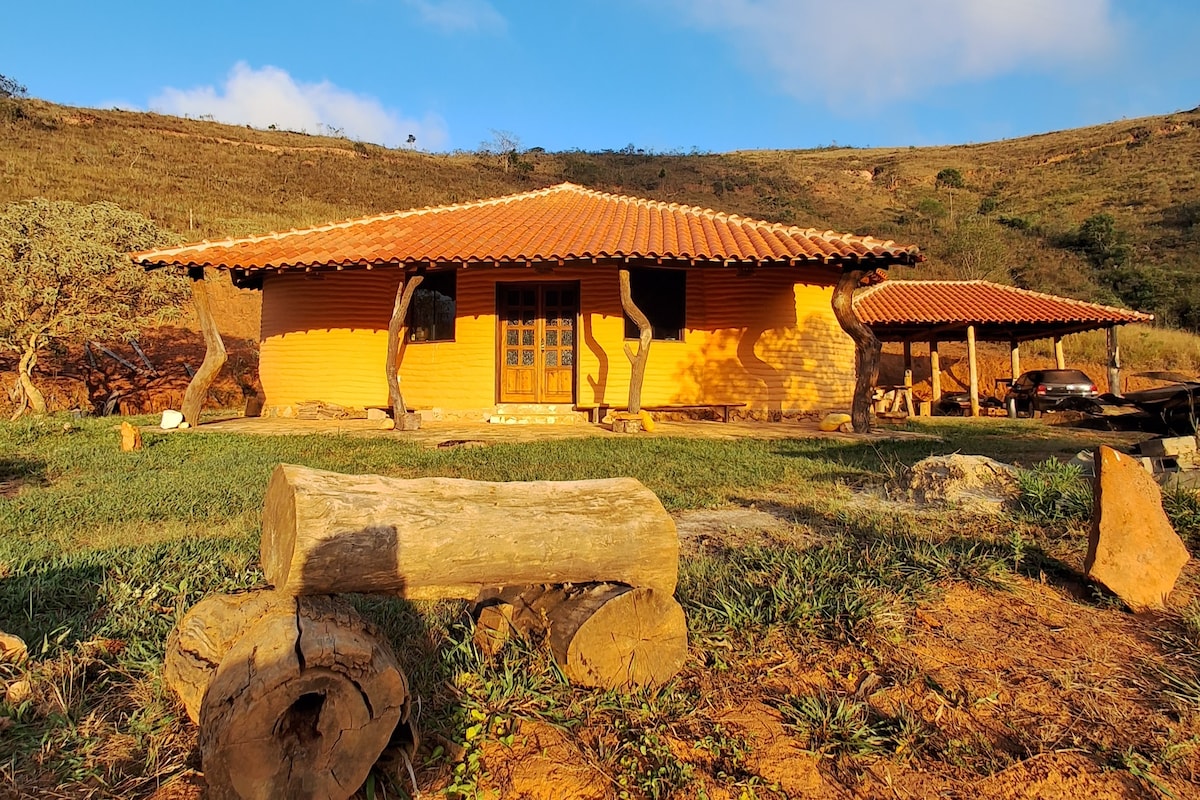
[[908, 379], [973, 369], [1059, 360], [214, 350], [637, 373], [866, 347], [935, 368], [1114, 361], [1014, 354], [404, 293]]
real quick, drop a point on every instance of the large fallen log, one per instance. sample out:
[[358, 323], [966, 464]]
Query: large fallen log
[[301, 703], [434, 538], [603, 635]]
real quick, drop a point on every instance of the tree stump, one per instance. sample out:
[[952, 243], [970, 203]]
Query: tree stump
[[131, 437], [603, 635], [627, 423], [301, 703], [408, 421], [441, 538]]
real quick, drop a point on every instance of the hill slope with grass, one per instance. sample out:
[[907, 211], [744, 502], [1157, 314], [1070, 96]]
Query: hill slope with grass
[[1009, 210], [1109, 213]]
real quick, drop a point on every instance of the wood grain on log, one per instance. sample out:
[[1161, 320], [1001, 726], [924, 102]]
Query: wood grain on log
[[431, 538], [866, 347], [301, 706], [618, 637], [214, 351], [206, 633]]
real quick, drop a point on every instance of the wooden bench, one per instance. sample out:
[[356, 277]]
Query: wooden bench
[[598, 411]]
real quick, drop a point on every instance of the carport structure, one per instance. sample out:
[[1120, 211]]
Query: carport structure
[[982, 311]]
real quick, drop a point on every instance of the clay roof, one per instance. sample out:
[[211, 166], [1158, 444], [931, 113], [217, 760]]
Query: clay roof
[[560, 223], [1003, 311]]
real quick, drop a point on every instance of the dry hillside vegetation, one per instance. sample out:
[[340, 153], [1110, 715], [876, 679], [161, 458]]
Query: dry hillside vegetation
[[1009, 211]]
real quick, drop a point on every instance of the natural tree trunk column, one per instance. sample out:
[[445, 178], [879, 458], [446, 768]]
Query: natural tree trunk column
[[1014, 353], [645, 335], [404, 293], [214, 350], [866, 347], [1060, 360]]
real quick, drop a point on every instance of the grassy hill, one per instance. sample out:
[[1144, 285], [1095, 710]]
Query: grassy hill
[[1014, 216]]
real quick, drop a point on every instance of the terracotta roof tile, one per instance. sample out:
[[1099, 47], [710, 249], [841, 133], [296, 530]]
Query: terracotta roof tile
[[965, 302], [563, 222]]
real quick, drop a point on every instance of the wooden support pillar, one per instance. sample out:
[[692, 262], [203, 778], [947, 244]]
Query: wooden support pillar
[[404, 293], [637, 373], [908, 379], [1014, 351], [866, 347], [935, 369], [1059, 361], [214, 350], [1114, 362], [973, 370]]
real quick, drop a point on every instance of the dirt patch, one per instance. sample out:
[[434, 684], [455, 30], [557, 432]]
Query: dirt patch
[[702, 528]]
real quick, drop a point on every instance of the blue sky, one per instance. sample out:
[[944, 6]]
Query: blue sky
[[716, 75]]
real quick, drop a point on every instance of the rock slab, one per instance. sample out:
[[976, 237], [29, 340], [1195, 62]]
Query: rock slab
[[1132, 549], [972, 484]]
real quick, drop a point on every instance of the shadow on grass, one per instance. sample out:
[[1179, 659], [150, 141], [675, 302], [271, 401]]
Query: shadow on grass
[[19, 471]]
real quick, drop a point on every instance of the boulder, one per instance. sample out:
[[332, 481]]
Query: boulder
[[376, 414], [1132, 549], [974, 484], [833, 422], [170, 419]]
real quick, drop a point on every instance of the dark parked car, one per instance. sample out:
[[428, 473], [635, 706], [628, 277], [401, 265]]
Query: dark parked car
[[1051, 390]]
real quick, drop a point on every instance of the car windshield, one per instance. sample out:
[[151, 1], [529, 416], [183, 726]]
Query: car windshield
[[1064, 376]]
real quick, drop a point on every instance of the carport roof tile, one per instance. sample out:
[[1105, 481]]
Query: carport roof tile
[[905, 302]]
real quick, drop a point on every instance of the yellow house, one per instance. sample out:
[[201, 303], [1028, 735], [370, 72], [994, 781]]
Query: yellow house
[[519, 301]]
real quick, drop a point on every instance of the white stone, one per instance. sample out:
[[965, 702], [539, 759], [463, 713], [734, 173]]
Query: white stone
[[376, 414], [170, 419]]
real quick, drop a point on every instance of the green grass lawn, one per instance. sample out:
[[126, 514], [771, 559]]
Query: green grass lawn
[[102, 551]]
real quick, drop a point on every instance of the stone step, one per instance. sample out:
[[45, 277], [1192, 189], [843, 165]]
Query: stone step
[[569, 418]]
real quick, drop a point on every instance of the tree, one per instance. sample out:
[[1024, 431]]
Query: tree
[[951, 178], [977, 250], [1103, 242], [10, 88], [65, 277]]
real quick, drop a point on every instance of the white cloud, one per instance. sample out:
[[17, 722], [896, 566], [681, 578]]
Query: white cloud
[[853, 52], [270, 96], [459, 16]]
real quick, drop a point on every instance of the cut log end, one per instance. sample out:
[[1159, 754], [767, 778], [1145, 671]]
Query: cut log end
[[295, 697], [608, 636], [618, 637]]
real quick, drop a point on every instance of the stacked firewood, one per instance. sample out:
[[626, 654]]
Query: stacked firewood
[[297, 695]]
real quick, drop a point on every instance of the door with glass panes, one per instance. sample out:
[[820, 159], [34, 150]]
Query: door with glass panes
[[537, 341]]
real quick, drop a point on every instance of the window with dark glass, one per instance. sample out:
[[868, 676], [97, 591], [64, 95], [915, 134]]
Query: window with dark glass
[[431, 310], [660, 294]]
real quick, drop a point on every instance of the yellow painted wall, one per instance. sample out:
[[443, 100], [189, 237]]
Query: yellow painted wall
[[326, 339], [768, 339]]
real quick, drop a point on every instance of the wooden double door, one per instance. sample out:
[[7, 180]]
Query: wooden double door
[[537, 341]]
